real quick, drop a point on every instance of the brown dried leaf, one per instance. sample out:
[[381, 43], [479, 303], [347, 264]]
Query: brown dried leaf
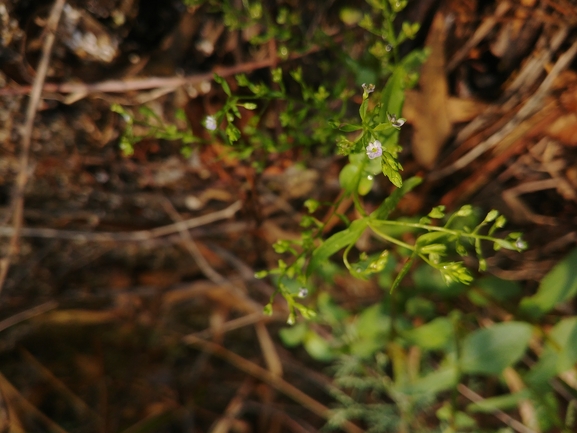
[[564, 129], [432, 124]]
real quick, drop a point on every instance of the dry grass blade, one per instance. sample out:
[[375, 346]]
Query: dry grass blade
[[231, 325], [432, 124], [22, 177], [526, 408], [484, 29], [224, 424], [13, 395], [28, 314], [163, 84], [79, 405], [511, 422], [136, 236], [266, 376], [529, 108]]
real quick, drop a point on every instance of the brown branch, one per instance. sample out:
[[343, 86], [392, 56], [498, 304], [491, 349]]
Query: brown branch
[[121, 86], [533, 104], [22, 178], [499, 414], [27, 314], [266, 376], [135, 236]]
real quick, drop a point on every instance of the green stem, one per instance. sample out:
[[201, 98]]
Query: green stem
[[392, 40], [436, 229], [392, 239]]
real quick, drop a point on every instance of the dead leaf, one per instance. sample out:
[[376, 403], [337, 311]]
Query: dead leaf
[[459, 110], [564, 129], [432, 125]]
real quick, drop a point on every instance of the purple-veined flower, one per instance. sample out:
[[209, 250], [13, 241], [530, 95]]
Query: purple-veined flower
[[210, 123], [374, 149], [369, 88], [397, 123]]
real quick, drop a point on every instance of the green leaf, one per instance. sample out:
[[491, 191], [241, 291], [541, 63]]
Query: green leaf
[[393, 95], [502, 402], [490, 350], [434, 335], [223, 83], [372, 329], [437, 212], [294, 335], [232, 132], [404, 271], [308, 313], [350, 16], [329, 311], [558, 356], [498, 289], [363, 109], [564, 343], [318, 347], [335, 243], [394, 176], [439, 249], [345, 127], [542, 371], [392, 201], [419, 306], [349, 177], [180, 114], [382, 127], [391, 169], [559, 285], [149, 113], [365, 185], [435, 382], [432, 237]]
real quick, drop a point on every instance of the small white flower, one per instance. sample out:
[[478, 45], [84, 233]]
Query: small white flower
[[368, 88], [397, 123], [303, 292], [374, 149], [521, 244], [210, 123]]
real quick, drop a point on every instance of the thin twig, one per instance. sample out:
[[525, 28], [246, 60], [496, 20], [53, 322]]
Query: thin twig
[[530, 107], [126, 85], [135, 236], [482, 31], [22, 178], [208, 271], [502, 416], [267, 377], [27, 314], [241, 322], [234, 408], [32, 412]]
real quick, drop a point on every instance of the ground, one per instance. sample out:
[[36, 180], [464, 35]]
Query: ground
[[117, 318]]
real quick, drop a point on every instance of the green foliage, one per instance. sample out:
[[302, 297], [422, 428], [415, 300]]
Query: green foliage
[[491, 350], [155, 127], [400, 362], [558, 286]]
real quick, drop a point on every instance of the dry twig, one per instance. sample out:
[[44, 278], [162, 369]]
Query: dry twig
[[28, 314], [267, 377], [135, 236], [22, 178], [528, 109], [511, 422]]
